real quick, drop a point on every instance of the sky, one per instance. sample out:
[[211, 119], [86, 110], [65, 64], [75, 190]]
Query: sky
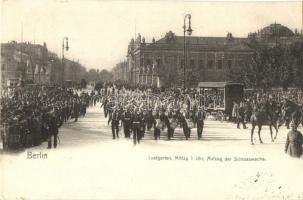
[[100, 31]]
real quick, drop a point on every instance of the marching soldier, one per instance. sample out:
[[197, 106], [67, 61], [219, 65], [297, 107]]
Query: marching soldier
[[127, 122], [171, 124], [109, 111], [200, 116], [149, 119], [157, 125], [115, 122], [142, 113], [104, 105], [136, 126]]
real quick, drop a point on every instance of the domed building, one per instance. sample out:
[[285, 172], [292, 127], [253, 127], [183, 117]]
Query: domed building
[[274, 34], [275, 30]]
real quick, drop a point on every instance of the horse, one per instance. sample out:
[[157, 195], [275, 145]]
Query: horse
[[261, 118]]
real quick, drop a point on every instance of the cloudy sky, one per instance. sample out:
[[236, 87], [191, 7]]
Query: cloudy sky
[[99, 31]]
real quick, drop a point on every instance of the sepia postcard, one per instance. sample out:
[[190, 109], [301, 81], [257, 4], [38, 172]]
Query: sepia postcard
[[151, 99]]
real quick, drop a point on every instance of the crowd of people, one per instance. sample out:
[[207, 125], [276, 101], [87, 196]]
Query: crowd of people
[[33, 114]]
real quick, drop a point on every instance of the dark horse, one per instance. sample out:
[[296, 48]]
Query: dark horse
[[260, 118]]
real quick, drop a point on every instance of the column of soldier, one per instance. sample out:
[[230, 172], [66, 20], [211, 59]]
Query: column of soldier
[[141, 110], [32, 115]]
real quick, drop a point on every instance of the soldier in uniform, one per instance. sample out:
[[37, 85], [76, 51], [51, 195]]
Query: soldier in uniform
[[200, 116], [142, 114], [149, 119], [294, 142], [187, 118], [172, 123], [136, 126], [109, 111], [156, 117], [127, 122], [115, 122], [104, 105]]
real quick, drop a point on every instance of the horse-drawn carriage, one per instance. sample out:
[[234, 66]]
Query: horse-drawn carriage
[[218, 97]]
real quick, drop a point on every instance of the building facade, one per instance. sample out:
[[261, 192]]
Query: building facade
[[120, 71], [33, 63], [162, 62], [205, 59], [24, 62], [73, 71]]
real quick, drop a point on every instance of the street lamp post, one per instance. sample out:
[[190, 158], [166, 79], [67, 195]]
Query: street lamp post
[[64, 47], [189, 32]]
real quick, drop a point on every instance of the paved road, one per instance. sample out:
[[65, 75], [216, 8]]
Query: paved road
[[89, 164], [94, 128]]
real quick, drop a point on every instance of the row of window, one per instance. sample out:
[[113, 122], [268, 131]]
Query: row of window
[[210, 64]]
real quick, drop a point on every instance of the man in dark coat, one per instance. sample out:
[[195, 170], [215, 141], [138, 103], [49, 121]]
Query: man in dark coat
[[200, 116], [53, 130], [294, 142]]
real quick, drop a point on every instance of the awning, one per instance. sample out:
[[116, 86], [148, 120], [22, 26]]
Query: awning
[[216, 84]]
